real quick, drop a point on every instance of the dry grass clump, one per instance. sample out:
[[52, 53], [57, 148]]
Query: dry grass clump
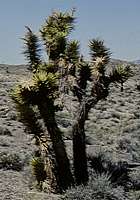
[[5, 131], [10, 161], [99, 187]]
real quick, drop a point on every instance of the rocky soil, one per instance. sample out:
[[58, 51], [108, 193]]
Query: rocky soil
[[113, 127]]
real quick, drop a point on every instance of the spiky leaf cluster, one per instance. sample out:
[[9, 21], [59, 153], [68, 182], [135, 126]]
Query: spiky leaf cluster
[[55, 31], [45, 84], [98, 49], [84, 74], [72, 51], [38, 169], [121, 73], [32, 50], [42, 85], [100, 56]]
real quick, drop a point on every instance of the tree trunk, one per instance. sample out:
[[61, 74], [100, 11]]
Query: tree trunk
[[79, 154], [49, 167], [79, 145], [64, 175], [29, 119]]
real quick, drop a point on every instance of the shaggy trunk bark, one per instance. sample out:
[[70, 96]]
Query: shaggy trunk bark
[[64, 175], [29, 119], [79, 145], [49, 167], [79, 154], [99, 91]]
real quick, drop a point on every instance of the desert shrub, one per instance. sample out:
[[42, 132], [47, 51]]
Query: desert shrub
[[118, 172], [130, 145], [124, 143], [134, 195], [135, 174], [10, 161], [11, 115], [5, 131], [131, 128], [98, 188], [135, 177]]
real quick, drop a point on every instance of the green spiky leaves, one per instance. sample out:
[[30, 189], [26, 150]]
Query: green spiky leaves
[[23, 93], [58, 23], [121, 73], [42, 85], [72, 51], [55, 31], [98, 49], [100, 57], [32, 49], [46, 84], [38, 170]]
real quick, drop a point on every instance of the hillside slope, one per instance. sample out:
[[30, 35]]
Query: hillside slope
[[113, 127]]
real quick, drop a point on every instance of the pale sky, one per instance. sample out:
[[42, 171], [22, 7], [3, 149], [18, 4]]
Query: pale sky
[[117, 22]]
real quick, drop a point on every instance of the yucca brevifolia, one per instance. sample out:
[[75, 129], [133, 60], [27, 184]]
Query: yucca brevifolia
[[92, 86], [88, 81], [64, 71], [121, 73], [43, 91], [55, 33]]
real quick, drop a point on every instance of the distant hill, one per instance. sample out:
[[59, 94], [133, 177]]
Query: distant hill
[[136, 62]]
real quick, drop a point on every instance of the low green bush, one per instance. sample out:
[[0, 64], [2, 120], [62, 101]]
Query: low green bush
[[99, 187], [134, 195], [118, 172], [10, 161]]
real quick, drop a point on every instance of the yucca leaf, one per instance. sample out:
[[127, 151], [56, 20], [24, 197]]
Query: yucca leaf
[[55, 31], [32, 49], [72, 51], [98, 49], [121, 73], [38, 169]]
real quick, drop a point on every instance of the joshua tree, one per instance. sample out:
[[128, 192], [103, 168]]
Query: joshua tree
[[122, 73], [92, 86], [42, 91], [92, 78], [64, 71]]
